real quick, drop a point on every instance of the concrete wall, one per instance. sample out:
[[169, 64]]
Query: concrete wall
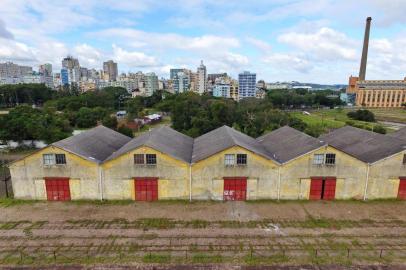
[[119, 174], [384, 177], [27, 175], [208, 174], [296, 174]]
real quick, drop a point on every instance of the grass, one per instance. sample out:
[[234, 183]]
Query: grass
[[10, 202], [206, 258], [324, 120], [157, 258]]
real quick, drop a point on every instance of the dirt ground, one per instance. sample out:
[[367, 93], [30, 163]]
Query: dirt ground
[[226, 235], [210, 211]]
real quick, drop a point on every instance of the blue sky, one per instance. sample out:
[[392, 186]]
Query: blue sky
[[305, 40]]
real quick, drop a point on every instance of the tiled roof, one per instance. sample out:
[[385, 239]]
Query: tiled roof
[[163, 139], [287, 143], [95, 144], [364, 145]]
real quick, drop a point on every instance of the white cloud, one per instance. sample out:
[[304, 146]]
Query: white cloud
[[288, 62], [133, 58], [88, 56], [324, 45], [260, 44], [11, 50]]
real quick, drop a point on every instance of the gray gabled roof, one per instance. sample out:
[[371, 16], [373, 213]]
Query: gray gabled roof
[[95, 144], [364, 145], [287, 143], [223, 138], [163, 139], [400, 134]]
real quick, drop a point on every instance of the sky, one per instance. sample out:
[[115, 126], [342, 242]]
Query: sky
[[316, 41]]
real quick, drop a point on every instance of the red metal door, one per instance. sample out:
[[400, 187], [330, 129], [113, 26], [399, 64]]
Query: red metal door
[[235, 189], [316, 188], [329, 191], [402, 188], [146, 189], [57, 188]]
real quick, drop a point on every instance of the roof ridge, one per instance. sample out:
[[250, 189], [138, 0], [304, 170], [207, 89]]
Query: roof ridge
[[230, 134]]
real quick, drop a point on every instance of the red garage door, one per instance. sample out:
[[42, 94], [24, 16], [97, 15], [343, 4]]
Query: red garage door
[[57, 188], [329, 191], [322, 188], [146, 189], [235, 189], [316, 188], [402, 188]]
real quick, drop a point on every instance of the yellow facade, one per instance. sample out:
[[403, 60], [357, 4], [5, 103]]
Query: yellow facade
[[208, 174], [119, 174], [383, 180], [266, 179], [28, 175], [381, 98], [349, 172]]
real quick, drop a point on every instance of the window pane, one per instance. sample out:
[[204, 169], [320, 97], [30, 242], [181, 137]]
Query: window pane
[[60, 159], [318, 159], [49, 159], [151, 159], [242, 159], [139, 159], [331, 159], [229, 160]]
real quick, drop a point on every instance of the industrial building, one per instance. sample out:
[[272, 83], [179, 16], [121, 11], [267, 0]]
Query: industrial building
[[374, 93], [224, 164]]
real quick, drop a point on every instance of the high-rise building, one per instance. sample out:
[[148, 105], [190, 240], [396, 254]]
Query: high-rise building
[[70, 70], [247, 84], [175, 71], [64, 77], [69, 62], [110, 70], [201, 78], [221, 90], [151, 83], [45, 73], [212, 77], [181, 83], [11, 70]]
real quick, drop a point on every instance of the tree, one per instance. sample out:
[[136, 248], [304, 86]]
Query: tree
[[27, 123], [110, 122], [126, 131]]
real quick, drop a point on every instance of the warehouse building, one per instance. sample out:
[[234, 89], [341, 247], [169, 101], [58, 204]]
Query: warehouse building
[[229, 165], [153, 166], [312, 169], [68, 169], [223, 164], [384, 158]]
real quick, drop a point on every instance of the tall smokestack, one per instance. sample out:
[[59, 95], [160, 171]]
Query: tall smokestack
[[363, 67]]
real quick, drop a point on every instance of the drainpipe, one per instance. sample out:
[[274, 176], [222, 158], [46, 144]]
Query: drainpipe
[[366, 182], [190, 182], [100, 182], [279, 182]]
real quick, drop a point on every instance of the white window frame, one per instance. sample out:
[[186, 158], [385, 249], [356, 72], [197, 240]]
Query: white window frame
[[49, 159], [229, 160], [318, 159]]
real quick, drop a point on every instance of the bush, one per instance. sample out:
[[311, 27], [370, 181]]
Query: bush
[[362, 115], [379, 129], [126, 131]]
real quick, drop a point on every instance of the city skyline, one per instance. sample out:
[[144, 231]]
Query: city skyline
[[279, 40]]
